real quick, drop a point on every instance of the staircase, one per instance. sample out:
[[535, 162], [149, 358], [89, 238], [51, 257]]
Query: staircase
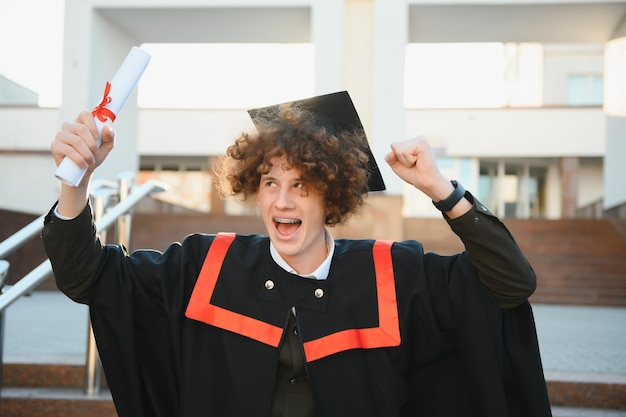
[[50, 390], [578, 262]]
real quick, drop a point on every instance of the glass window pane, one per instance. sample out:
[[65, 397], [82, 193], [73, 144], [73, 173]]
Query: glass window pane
[[576, 90], [598, 91], [584, 90]]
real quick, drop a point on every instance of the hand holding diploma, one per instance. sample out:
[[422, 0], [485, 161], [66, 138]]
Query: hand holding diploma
[[116, 94]]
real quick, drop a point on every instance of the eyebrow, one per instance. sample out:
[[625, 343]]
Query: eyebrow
[[267, 177]]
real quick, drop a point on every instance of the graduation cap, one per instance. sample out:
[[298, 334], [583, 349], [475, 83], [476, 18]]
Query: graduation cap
[[337, 111]]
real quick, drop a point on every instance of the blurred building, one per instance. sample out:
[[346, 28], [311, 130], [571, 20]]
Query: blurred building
[[14, 94], [550, 144]]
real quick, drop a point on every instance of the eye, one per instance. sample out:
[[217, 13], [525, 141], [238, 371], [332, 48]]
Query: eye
[[268, 183], [301, 188]]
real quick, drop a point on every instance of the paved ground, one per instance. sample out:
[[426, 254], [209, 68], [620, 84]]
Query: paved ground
[[582, 340], [584, 343], [45, 327]]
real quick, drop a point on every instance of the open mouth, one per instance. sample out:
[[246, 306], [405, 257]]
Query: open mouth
[[286, 226]]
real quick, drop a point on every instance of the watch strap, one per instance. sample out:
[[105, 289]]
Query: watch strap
[[449, 202]]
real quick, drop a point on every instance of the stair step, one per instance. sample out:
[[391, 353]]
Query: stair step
[[55, 402], [590, 283], [581, 296], [56, 390], [586, 412], [580, 300], [566, 298], [571, 398], [606, 392], [577, 261], [43, 375], [582, 291]]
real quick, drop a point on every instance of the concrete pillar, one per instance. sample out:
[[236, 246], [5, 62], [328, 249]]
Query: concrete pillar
[[327, 34], [77, 63], [500, 209], [359, 58], [552, 194], [570, 167], [388, 125], [615, 108], [523, 205], [94, 48], [493, 184]]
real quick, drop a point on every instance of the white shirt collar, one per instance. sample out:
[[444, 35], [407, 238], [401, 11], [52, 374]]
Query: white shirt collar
[[321, 272]]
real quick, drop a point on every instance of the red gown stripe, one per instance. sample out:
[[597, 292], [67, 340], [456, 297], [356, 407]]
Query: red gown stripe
[[386, 334], [200, 307], [388, 331]]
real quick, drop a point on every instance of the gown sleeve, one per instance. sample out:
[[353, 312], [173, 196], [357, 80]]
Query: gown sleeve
[[136, 305], [493, 252], [74, 251], [494, 329]]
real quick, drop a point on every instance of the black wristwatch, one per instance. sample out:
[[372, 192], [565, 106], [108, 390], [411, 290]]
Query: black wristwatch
[[452, 199]]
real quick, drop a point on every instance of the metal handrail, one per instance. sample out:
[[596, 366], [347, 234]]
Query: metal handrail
[[100, 191], [44, 270], [4, 267], [19, 238]]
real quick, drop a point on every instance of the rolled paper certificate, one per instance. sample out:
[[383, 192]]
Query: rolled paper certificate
[[116, 94]]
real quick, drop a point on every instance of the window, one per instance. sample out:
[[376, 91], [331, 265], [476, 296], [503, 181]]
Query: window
[[513, 189], [585, 90]]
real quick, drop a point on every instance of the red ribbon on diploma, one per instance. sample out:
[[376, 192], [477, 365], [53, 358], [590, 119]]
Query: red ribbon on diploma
[[101, 112]]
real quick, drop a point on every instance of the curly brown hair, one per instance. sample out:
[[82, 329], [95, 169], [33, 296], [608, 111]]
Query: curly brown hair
[[334, 163]]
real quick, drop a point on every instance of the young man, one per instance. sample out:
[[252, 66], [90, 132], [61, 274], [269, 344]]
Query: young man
[[296, 323]]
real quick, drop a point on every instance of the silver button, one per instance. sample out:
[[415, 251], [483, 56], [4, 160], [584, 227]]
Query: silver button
[[319, 293], [294, 381], [269, 284]]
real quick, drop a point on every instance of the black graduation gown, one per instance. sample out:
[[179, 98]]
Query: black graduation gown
[[458, 353]]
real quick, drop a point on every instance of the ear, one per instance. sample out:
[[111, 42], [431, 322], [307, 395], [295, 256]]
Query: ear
[[326, 216]]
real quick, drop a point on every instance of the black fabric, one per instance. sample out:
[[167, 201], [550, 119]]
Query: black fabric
[[461, 353], [293, 396]]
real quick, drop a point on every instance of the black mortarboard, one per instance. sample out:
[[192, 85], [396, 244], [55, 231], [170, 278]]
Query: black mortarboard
[[338, 109]]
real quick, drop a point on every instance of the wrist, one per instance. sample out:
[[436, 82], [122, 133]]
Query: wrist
[[437, 188], [72, 200], [455, 193]]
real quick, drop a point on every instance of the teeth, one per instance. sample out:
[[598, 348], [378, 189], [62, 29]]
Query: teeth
[[290, 221]]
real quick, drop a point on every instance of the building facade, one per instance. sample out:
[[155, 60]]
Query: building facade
[[554, 146]]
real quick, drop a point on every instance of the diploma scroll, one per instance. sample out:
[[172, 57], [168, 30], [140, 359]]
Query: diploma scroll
[[116, 94]]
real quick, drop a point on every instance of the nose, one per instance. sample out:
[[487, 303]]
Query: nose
[[283, 199]]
